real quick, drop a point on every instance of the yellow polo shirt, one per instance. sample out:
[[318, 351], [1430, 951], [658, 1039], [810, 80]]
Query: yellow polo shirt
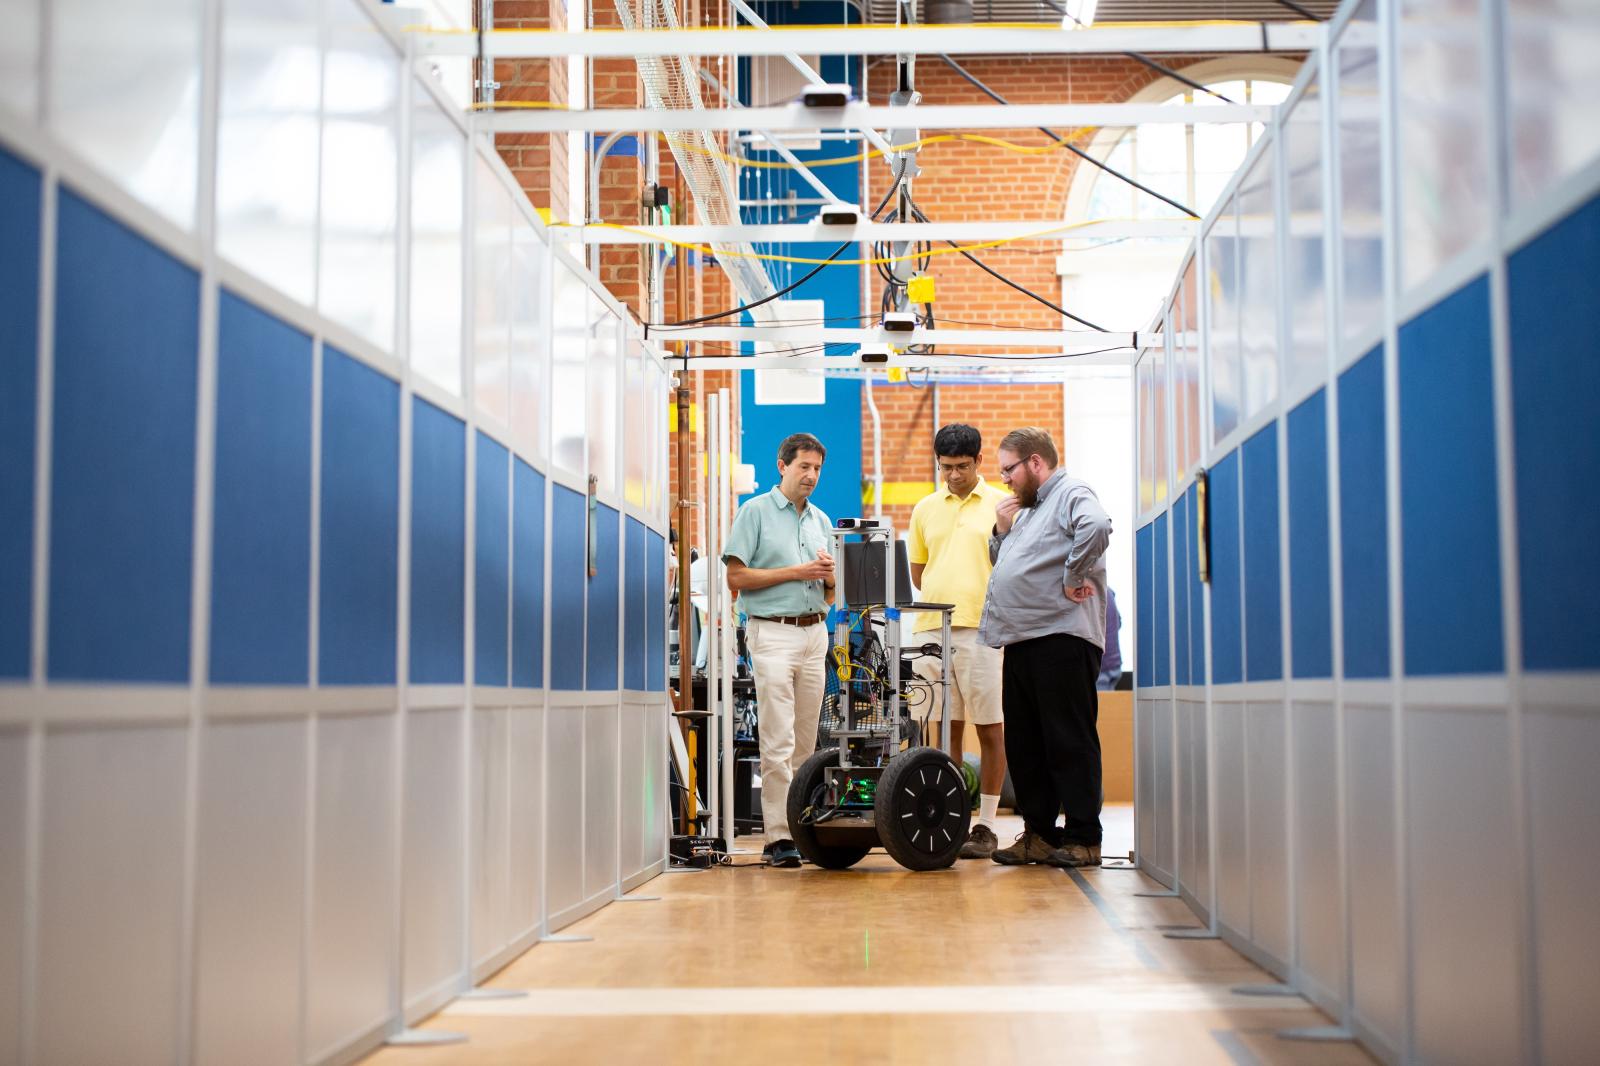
[[951, 536]]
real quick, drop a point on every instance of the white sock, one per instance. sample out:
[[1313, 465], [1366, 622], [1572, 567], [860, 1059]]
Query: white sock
[[987, 806]]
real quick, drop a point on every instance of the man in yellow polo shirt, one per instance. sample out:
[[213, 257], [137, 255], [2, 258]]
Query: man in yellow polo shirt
[[948, 548]]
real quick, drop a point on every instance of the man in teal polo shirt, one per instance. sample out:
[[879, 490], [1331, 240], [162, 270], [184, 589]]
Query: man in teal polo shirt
[[778, 562]]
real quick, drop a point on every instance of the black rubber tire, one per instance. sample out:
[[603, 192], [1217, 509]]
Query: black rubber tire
[[828, 857], [921, 809]]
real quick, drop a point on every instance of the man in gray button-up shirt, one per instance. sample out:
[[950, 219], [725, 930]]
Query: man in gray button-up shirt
[[1046, 606]]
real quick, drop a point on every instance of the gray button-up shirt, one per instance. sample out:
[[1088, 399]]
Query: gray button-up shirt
[[1060, 541]]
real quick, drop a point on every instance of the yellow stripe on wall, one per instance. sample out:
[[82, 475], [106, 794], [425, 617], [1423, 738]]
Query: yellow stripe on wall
[[897, 493]]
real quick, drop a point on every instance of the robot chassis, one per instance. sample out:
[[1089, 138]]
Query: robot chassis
[[865, 792]]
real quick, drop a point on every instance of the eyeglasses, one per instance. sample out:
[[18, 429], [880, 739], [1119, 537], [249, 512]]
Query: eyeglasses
[[1005, 471]]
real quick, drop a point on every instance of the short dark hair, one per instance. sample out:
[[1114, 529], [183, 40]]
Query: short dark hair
[[795, 443], [1031, 440], [956, 440]]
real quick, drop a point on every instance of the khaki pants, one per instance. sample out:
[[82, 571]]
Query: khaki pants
[[789, 664]]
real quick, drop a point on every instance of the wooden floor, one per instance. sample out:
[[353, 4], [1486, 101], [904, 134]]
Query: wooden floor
[[977, 964]]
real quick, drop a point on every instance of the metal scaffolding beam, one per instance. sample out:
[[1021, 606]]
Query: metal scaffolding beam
[[800, 336], [802, 232], [1037, 40], [1121, 357], [861, 116]]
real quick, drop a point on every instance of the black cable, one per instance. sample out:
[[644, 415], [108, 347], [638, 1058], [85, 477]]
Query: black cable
[[813, 272], [1074, 149], [981, 265], [1292, 6], [1146, 60]]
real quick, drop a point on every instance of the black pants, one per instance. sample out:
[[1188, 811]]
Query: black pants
[[1052, 745]]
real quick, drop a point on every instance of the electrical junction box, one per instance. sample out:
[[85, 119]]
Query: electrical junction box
[[919, 290]]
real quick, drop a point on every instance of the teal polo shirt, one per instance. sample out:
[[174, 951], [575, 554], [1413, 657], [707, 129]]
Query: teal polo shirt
[[769, 533]]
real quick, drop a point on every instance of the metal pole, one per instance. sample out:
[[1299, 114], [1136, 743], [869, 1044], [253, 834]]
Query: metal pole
[[713, 628], [729, 646]]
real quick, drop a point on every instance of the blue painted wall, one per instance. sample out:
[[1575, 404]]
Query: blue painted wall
[[1450, 533], [527, 569], [568, 584], [635, 621], [1144, 547], [1227, 617], [604, 587], [1364, 518], [261, 537], [438, 546], [19, 357], [1263, 583], [1310, 589], [492, 564], [122, 453], [1163, 635]]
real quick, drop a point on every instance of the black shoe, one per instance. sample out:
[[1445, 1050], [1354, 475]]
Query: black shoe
[[782, 855]]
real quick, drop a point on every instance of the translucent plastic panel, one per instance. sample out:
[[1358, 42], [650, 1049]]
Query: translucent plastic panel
[[267, 141], [1186, 381], [530, 348], [1219, 148], [567, 407], [1302, 132], [453, 73], [1222, 289], [635, 468], [604, 381], [1553, 90], [1161, 417], [438, 162], [1360, 183], [1147, 431], [491, 294], [359, 176], [1444, 155], [1180, 415], [1258, 284], [125, 94], [19, 56]]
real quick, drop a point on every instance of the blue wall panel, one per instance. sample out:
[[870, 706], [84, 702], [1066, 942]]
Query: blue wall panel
[[603, 590], [1197, 604], [261, 540], [1227, 649], [1450, 534], [837, 424], [438, 546], [360, 523], [1263, 580], [527, 576], [492, 564], [1161, 645], [122, 493], [19, 357], [1182, 673], [1364, 519], [1144, 651], [1555, 388], [656, 659], [1310, 608], [636, 607], [568, 581]]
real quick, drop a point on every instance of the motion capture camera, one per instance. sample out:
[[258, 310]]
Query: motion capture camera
[[899, 321], [840, 214], [873, 354], [833, 95], [858, 523]]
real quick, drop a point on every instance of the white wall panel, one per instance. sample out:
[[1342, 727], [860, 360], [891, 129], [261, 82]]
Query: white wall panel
[[570, 314], [13, 831], [267, 141], [634, 781], [1376, 951], [564, 820], [1463, 909], [1183, 761], [1199, 801], [19, 58], [530, 335], [250, 892], [1552, 82], [110, 895], [125, 95], [525, 735], [1319, 928], [1144, 805], [1232, 845], [603, 387], [1162, 739], [360, 175], [1563, 750], [434, 850], [438, 169], [1360, 187], [352, 890], [1266, 786], [600, 799], [490, 798], [491, 288]]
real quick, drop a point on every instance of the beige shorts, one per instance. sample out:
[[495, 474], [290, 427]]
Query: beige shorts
[[974, 675]]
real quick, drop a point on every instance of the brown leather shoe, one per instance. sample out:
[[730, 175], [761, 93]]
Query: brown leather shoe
[[1029, 848], [1075, 855], [980, 844]]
